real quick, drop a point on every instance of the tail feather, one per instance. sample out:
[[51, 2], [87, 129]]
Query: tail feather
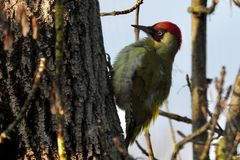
[[130, 125], [134, 127]]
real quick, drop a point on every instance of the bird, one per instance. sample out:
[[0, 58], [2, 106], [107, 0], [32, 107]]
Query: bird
[[142, 74]]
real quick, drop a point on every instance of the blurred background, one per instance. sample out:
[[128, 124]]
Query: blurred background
[[223, 40]]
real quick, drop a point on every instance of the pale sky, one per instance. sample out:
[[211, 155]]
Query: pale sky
[[223, 38]]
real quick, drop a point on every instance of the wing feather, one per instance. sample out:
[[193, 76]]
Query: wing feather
[[129, 59]]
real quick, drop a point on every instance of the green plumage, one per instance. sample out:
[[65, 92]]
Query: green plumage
[[142, 80]]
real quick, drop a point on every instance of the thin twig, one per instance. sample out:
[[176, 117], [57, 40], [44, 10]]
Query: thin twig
[[236, 2], [149, 146], [197, 142], [114, 13], [181, 134], [189, 83], [227, 97], [175, 117], [232, 124], [219, 129], [171, 125], [143, 150], [218, 109], [26, 105], [188, 139], [173, 137], [136, 30], [210, 136], [186, 120]]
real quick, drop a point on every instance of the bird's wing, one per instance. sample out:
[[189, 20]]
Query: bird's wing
[[127, 62], [151, 85], [147, 82]]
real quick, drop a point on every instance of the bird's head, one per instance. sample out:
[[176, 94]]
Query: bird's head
[[158, 30]]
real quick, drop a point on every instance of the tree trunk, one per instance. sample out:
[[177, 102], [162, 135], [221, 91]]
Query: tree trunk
[[91, 120], [199, 100]]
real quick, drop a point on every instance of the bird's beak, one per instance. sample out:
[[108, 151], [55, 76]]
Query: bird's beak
[[147, 29]]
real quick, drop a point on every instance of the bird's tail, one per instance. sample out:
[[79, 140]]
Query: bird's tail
[[132, 130], [134, 127]]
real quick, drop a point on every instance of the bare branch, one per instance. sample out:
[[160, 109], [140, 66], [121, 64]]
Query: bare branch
[[189, 83], [224, 103], [236, 2], [181, 134], [114, 13], [173, 137], [185, 120], [188, 139], [218, 108], [232, 124], [175, 117], [143, 150], [136, 30], [149, 146], [219, 129]]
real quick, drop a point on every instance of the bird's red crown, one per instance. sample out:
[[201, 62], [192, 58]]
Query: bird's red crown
[[170, 27]]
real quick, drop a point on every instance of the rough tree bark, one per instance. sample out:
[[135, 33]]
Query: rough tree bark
[[91, 119], [199, 100]]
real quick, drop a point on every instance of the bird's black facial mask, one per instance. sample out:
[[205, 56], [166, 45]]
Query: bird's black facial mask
[[158, 35]]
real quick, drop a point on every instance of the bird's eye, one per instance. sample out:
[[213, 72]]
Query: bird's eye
[[160, 33]]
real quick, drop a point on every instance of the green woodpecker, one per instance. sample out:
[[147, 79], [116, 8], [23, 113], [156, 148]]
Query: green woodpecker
[[142, 75]]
